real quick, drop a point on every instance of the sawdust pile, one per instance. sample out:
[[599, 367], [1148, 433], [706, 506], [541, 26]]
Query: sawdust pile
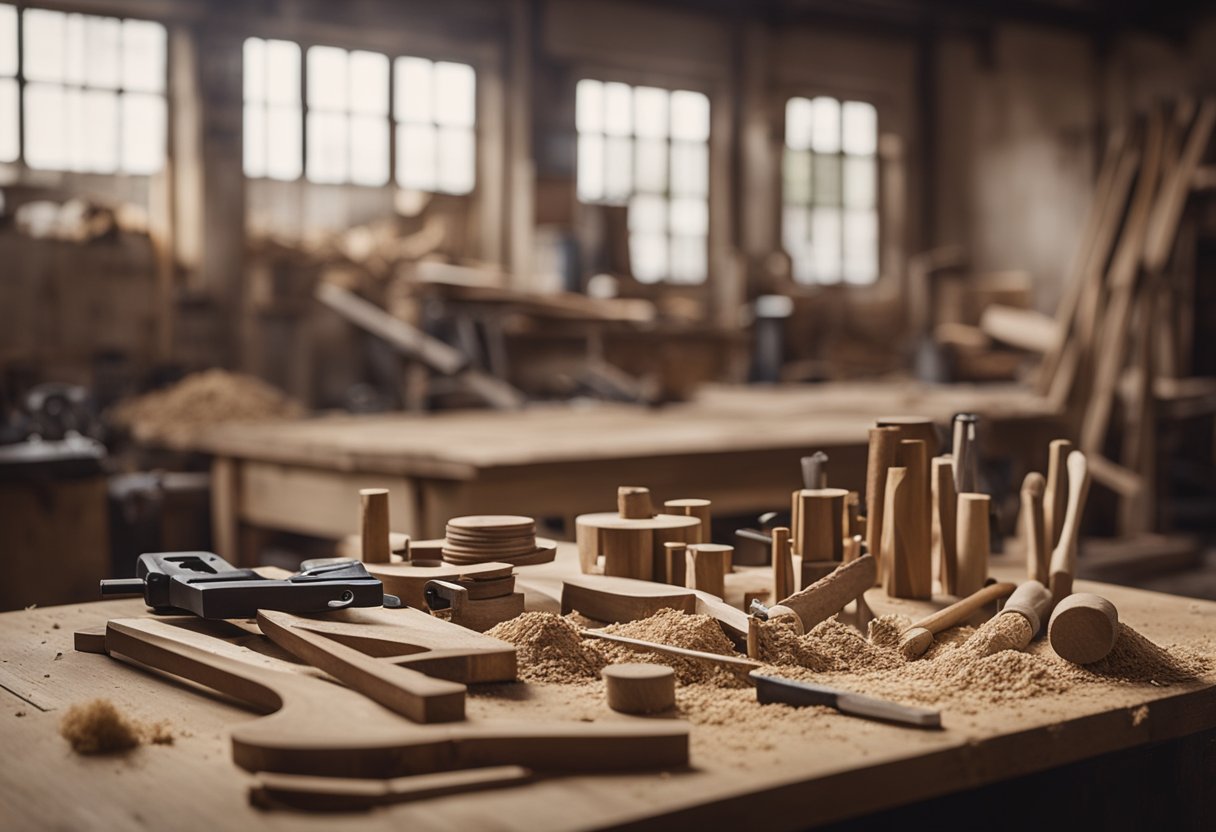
[[549, 649], [692, 632], [97, 727], [200, 400]]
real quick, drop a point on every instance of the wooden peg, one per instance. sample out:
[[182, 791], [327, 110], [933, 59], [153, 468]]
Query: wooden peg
[[883, 442], [635, 688], [822, 513], [783, 564], [693, 507], [706, 565], [753, 638], [913, 455], [966, 463], [1064, 558], [972, 539], [815, 470], [374, 522], [1083, 628], [1055, 491], [633, 502], [674, 553], [944, 522], [1034, 527]]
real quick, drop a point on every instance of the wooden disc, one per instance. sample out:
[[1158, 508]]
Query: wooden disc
[[640, 688], [1083, 628], [611, 520], [506, 543], [492, 522]]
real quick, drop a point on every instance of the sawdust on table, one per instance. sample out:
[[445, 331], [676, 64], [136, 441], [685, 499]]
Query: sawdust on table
[[98, 727]]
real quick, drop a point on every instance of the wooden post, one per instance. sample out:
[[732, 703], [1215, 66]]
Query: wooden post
[[883, 442], [822, 543], [706, 566], [972, 543], [913, 427], [783, 565], [1055, 492], [944, 522], [674, 553], [375, 525], [913, 455]]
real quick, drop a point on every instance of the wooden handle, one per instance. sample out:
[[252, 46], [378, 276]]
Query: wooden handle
[[731, 662], [1033, 527], [828, 596], [1083, 628], [633, 502], [1064, 558], [374, 524], [815, 470], [1055, 491], [783, 564], [918, 637], [1032, 600]]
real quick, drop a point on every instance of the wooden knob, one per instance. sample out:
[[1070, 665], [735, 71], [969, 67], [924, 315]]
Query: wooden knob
[[633, 502], [374, 517], [1084, 628], [640, 688]]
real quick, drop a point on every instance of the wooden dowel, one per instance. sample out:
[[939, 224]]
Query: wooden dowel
[[912, 455], [1083, 628], [896, 508], [735, 663], [783, 564], [375, 524], [674, 553], [694, 507], [973, 541], [706, 565], [828, 596], [1034, 527], [883, 442], [1055, 492], [944, 522]]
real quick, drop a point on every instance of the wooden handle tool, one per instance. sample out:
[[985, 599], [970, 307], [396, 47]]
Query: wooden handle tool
[[1033, 527], [1031, 600], [828, 596], [345, 794], [1064, 558], [789, 692], [735, 663], [917, 638]]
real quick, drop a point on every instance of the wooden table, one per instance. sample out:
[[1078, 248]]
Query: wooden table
[[738, 447], [780, 778]]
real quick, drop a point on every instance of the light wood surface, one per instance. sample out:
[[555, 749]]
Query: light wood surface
[[335, 794]]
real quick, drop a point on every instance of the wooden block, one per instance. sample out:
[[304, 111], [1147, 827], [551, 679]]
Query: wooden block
[[973, 543], [1083, 628], [620, 599], [408, 580], [630, 547], [944, 522], [693, 507], [674, 554], [90, 640], [783, 564], [706, 565], [633, 502], [639, 688], [822, 524], [1034, 527], [883, 442], [912, 454], [1055, 491], [375, 525]]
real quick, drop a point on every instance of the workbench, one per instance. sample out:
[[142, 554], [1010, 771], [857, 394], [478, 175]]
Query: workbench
[[738, 447], [1069, 758]]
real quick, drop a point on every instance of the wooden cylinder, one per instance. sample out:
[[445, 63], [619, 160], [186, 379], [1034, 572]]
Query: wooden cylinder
[[972, 539], [1083, 628], [783, 564], [944, 523], [674, 554], [373, 504], [883, 442], [633, 502], [913, 455], [628, 552], [897, 535], [815, 470], [914, 427], [852, 515], [706, 565], [639, 688], [822, 512], [1034, 530], [693, 507], [1055, 491]]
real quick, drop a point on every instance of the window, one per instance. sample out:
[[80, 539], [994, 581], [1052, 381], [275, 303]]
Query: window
[[94, 92], [830, 190], [649, 148], [344, 133]]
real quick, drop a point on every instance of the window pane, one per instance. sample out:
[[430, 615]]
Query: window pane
[[416, 156], [589, 106], [648, 256], [688, 259], [8, 41], [327, 152], [825, 244], [455, 95], [651, 165], [73, 130], [860, 246], [8, 120], [618, 110], [689, 216], [98, 142], [456, 160], [825, 125], [689, 116], [827, 180], [143, 56], [369, 149], [45, 126], [412, 96], [798, 124], [590, 168], [284, 143], [327, 88], [369, 84], [101, 36], [282, 72], [618, 172], [795, 228], [73, 49], [648, 213], [796, 184], [859, 181], [253, 140], [860, 128], [650, 112], [143, 133], [253, 69], [45, 33], [689, 169]]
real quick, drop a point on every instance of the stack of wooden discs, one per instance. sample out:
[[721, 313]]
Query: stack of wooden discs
[[502, 538]]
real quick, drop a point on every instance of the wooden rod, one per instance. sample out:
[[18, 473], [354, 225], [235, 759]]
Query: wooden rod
[[1034, 527], [883, 442], [1055, 492], [374, 523], [973, 542], [944, 522]]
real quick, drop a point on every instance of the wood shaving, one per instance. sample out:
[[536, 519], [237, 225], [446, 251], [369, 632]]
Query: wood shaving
[[97, 727]]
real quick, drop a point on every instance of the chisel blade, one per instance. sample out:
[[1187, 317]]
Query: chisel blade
[[776, 689]]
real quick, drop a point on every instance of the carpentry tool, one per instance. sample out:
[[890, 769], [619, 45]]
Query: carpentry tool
[[631, 539], [734, 663], [1083, 628], [815, 470], [639, 688], [883, 442], [1034, 527], [208, 586], [829, 595], [1031, 600], [347, 794], [776, 689], [944, 521], [918, 638], [1055, 491], [972, 539], [402, 690], [966, 463], [319, 728], [479, 615], [1064, 558]]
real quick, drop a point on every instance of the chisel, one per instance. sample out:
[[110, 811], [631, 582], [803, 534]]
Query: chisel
[[776, 689]]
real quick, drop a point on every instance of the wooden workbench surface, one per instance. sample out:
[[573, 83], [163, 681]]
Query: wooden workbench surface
[[737, 420], [803, 768]]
